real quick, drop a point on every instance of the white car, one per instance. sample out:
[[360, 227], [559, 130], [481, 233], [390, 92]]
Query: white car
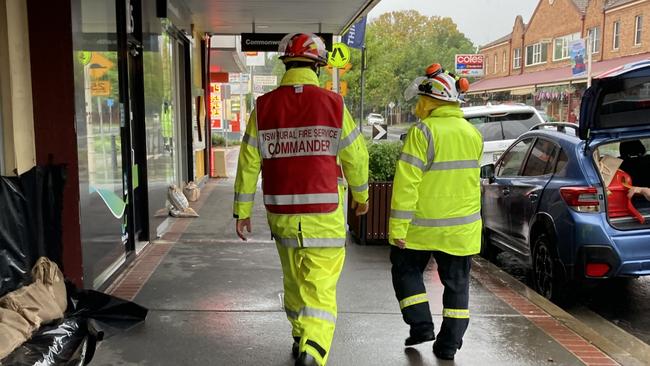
[[375, 118], [500, 126]]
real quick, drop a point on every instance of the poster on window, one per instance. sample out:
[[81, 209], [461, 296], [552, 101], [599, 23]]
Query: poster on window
[[577, 52]]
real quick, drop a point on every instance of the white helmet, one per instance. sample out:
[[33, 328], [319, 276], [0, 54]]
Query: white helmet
[[438, 84]]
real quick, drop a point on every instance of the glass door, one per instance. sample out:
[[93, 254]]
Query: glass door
[[100, 145]]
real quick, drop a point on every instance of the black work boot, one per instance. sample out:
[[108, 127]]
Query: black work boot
[[305, 359], [414, 339], [444, 353]]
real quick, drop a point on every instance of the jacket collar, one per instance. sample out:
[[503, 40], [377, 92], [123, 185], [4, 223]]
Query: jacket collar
[[447, 111], [299, 76]]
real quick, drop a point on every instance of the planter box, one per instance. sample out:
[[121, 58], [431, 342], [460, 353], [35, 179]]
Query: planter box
[[373, 227]]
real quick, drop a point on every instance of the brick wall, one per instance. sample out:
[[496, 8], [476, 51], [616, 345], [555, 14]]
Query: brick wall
[[517, 41], [626, 16], [594, 18], [548, 22], [497, 52]]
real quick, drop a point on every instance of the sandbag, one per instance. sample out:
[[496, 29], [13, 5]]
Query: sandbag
[[192, 192], [35, 302], [177, 198], [48, 273], [14, 330], [187, 212]]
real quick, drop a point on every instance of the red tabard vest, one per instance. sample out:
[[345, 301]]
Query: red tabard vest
[[299, 129]]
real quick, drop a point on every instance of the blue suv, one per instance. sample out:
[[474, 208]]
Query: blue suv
[[545, 199]]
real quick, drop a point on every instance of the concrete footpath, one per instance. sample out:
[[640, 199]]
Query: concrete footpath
[[215, 300]]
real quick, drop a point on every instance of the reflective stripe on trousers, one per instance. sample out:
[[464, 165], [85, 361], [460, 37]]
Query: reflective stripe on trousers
[[413, 300], [300, 199], [311, 242], [455, 313], [313, 313]]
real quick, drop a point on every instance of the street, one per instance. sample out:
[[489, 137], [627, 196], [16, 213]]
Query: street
[[623, 302]]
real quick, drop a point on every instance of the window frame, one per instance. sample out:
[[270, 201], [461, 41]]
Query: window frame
[[516, 58], [487, 65], [616, 35], [550, 164], [496, 62], [564, 47], [503, 66], [638, 30], [523, 161], [594, 40], [538, 49]]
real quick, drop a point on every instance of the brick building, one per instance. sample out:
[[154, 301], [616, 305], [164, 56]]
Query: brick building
[[532, 64]]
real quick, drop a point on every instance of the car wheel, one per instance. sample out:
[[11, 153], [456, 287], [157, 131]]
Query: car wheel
[[548, 277]]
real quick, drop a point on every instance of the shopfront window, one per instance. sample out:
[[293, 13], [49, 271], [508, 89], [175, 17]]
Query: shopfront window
[[98, 120], [616, 35], [160, 117]]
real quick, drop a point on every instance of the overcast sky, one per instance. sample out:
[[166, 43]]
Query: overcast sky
[[482, 21]]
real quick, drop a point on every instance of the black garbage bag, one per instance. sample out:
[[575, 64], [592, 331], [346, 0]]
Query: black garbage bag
[[15, 257], [71, 341], [108, 311]]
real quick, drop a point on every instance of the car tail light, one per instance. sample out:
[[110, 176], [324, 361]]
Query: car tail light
[[597, 269], [581, 199]]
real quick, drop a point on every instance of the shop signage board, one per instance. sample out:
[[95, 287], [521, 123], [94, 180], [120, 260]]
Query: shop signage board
[[215, 105], [269, 42], [470, 65], [265, 80], [238, 78], [577, 54]]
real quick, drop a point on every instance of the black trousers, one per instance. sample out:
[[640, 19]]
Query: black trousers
[[407, 270]]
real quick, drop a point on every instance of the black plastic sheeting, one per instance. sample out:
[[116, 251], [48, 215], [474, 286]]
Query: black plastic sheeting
[[91, 316], [14, 237], [71, 341], [30, 223]]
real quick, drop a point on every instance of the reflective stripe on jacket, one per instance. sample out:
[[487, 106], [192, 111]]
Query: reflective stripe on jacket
[[306, 230], [299, 126], [436, 202]]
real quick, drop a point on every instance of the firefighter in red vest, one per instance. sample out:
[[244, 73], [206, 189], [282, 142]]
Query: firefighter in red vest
[[304, 141]]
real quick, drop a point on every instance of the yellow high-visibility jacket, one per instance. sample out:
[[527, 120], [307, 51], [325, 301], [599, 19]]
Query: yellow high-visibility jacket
[[308, 230], [436, 202]]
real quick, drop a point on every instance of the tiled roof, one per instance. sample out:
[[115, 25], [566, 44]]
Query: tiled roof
[[614, 3], [581, 4], [529, 79], [500, 40]]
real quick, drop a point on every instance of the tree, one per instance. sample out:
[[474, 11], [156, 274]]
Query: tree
[[399, 45]]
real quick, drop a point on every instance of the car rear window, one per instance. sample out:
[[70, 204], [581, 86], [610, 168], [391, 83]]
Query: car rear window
[[626, 104], [504, 126]]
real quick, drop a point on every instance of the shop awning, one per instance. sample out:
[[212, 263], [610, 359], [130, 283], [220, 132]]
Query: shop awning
[[528, 81], [277, 16]]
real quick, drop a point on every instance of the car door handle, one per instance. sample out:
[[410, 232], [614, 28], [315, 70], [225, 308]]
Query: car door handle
[[506, 191], [533, 197]]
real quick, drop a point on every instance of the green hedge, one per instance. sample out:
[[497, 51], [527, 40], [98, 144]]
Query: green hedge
[[383, 157]]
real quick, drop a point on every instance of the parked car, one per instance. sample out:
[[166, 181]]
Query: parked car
[[500, 125], [545, 199], [375, 118]]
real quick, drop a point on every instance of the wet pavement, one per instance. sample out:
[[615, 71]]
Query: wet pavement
[[625, 302], [215, 300]]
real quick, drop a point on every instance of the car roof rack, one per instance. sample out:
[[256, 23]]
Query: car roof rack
[[560, 126]]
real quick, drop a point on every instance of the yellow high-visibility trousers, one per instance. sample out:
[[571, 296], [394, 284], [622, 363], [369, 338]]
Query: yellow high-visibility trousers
[[310, 278]]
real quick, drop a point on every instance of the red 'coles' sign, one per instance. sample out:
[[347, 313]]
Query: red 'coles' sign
[[469, 65]]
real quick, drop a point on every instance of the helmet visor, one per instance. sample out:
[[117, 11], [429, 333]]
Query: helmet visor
[[414, 88]]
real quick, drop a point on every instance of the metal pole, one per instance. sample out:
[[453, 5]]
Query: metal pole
[[589, 57], [363, 84]]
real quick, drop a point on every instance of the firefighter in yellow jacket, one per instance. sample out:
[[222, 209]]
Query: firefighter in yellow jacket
[[304, 141], [436, 210]]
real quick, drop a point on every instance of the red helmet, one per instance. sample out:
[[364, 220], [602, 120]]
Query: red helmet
[[303, 46]]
